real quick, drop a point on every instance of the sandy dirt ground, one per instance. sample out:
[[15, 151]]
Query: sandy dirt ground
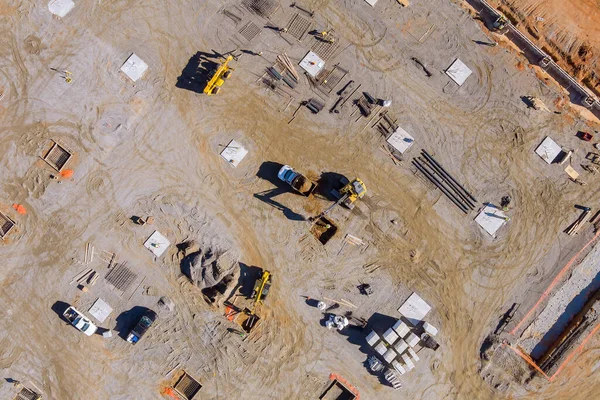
[[152, 148]]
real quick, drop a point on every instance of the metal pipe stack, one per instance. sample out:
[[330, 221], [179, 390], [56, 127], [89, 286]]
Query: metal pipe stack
[[453, 190]]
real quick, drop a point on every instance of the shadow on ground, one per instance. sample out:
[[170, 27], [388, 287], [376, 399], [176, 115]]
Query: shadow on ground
[[128, 319]]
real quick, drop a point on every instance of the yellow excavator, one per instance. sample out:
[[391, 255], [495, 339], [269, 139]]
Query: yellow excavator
[[353, 191], [223, 71], [259, 294]]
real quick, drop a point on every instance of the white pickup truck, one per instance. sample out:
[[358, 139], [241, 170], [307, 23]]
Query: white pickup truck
[[297, 181], [79, 321]]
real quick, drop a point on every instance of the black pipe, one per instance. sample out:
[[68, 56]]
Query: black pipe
[[426, 154], [452, 186], [439, 185], [432, 172]]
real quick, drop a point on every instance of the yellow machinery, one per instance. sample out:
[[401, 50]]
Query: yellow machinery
[[247, 318], [261, 288], [326, 36], [353, 191], [223, 71]]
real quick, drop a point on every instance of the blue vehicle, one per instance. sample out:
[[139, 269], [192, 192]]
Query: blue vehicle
[[142, 326]]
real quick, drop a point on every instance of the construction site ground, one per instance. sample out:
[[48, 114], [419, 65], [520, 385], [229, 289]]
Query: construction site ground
[[152, 149]]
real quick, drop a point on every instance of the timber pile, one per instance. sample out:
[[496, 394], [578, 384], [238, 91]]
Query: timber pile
[[453, 190], [576, 226], [87, 276]]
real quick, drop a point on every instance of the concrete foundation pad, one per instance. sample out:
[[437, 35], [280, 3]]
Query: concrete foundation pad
[[134, 67], [60, 8]]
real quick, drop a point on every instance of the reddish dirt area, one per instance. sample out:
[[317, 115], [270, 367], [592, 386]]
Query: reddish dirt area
[[568, 30]]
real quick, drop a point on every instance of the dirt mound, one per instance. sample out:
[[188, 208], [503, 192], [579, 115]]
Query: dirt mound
[[213, 271]]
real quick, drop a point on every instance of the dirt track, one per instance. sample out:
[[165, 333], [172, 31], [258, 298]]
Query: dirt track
[[152, 149]]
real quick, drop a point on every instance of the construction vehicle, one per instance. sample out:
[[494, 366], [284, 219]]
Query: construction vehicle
[[79, 321], [261, 289], [347, 195], [141, 327], [248, 318], [325, 36], [297, 181], [223, 71], [500, 23]]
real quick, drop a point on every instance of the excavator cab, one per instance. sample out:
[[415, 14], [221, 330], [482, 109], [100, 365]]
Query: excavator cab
[[353, 191], [223, 71]]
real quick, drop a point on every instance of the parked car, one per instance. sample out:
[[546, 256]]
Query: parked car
[[79, 321], [142, 326]]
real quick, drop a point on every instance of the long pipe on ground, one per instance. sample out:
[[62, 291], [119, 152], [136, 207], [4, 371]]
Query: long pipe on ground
[[465, 199], [451, 189], [427, 155], [439, 185]]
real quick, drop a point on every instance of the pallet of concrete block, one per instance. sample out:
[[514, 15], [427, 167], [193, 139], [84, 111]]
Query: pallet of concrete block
[[412, 339], [408, 361], [401, 328], [430, 329], [401, 346], [373, 338], [390, 355], [413, 354], [381, 348], [390, 336], [398, 367]]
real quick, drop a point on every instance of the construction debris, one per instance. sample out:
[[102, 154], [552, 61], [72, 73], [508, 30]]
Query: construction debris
[[579, 222]]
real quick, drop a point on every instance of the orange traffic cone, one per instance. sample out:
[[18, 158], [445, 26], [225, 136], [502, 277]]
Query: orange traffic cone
[[67, 173], [20, 209]]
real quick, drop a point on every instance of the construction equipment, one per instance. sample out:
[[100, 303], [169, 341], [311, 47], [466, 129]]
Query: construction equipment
[[223, 71], [247, 318], [296, 180], [500, 23], [346, 196], [325, 36], [261, 289]]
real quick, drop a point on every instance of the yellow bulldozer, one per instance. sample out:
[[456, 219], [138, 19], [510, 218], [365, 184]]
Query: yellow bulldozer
[[223, 71]]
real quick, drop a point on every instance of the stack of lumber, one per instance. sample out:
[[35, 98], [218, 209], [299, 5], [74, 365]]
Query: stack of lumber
[[576, 226]]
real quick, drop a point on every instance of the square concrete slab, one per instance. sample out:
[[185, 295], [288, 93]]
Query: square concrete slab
[[312, 63], [458, 72], [234, 153], [134, 67], [548, 150], [401, 140], [371, 2], [60, 8], [414, 309], [100, 310], [157, 243], [491, 218]]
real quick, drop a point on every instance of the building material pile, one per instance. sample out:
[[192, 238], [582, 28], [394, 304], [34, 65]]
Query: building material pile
[[453, 190]]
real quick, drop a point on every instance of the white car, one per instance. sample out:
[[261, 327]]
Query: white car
[[79, 321], [287, 174], [297, 181]]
